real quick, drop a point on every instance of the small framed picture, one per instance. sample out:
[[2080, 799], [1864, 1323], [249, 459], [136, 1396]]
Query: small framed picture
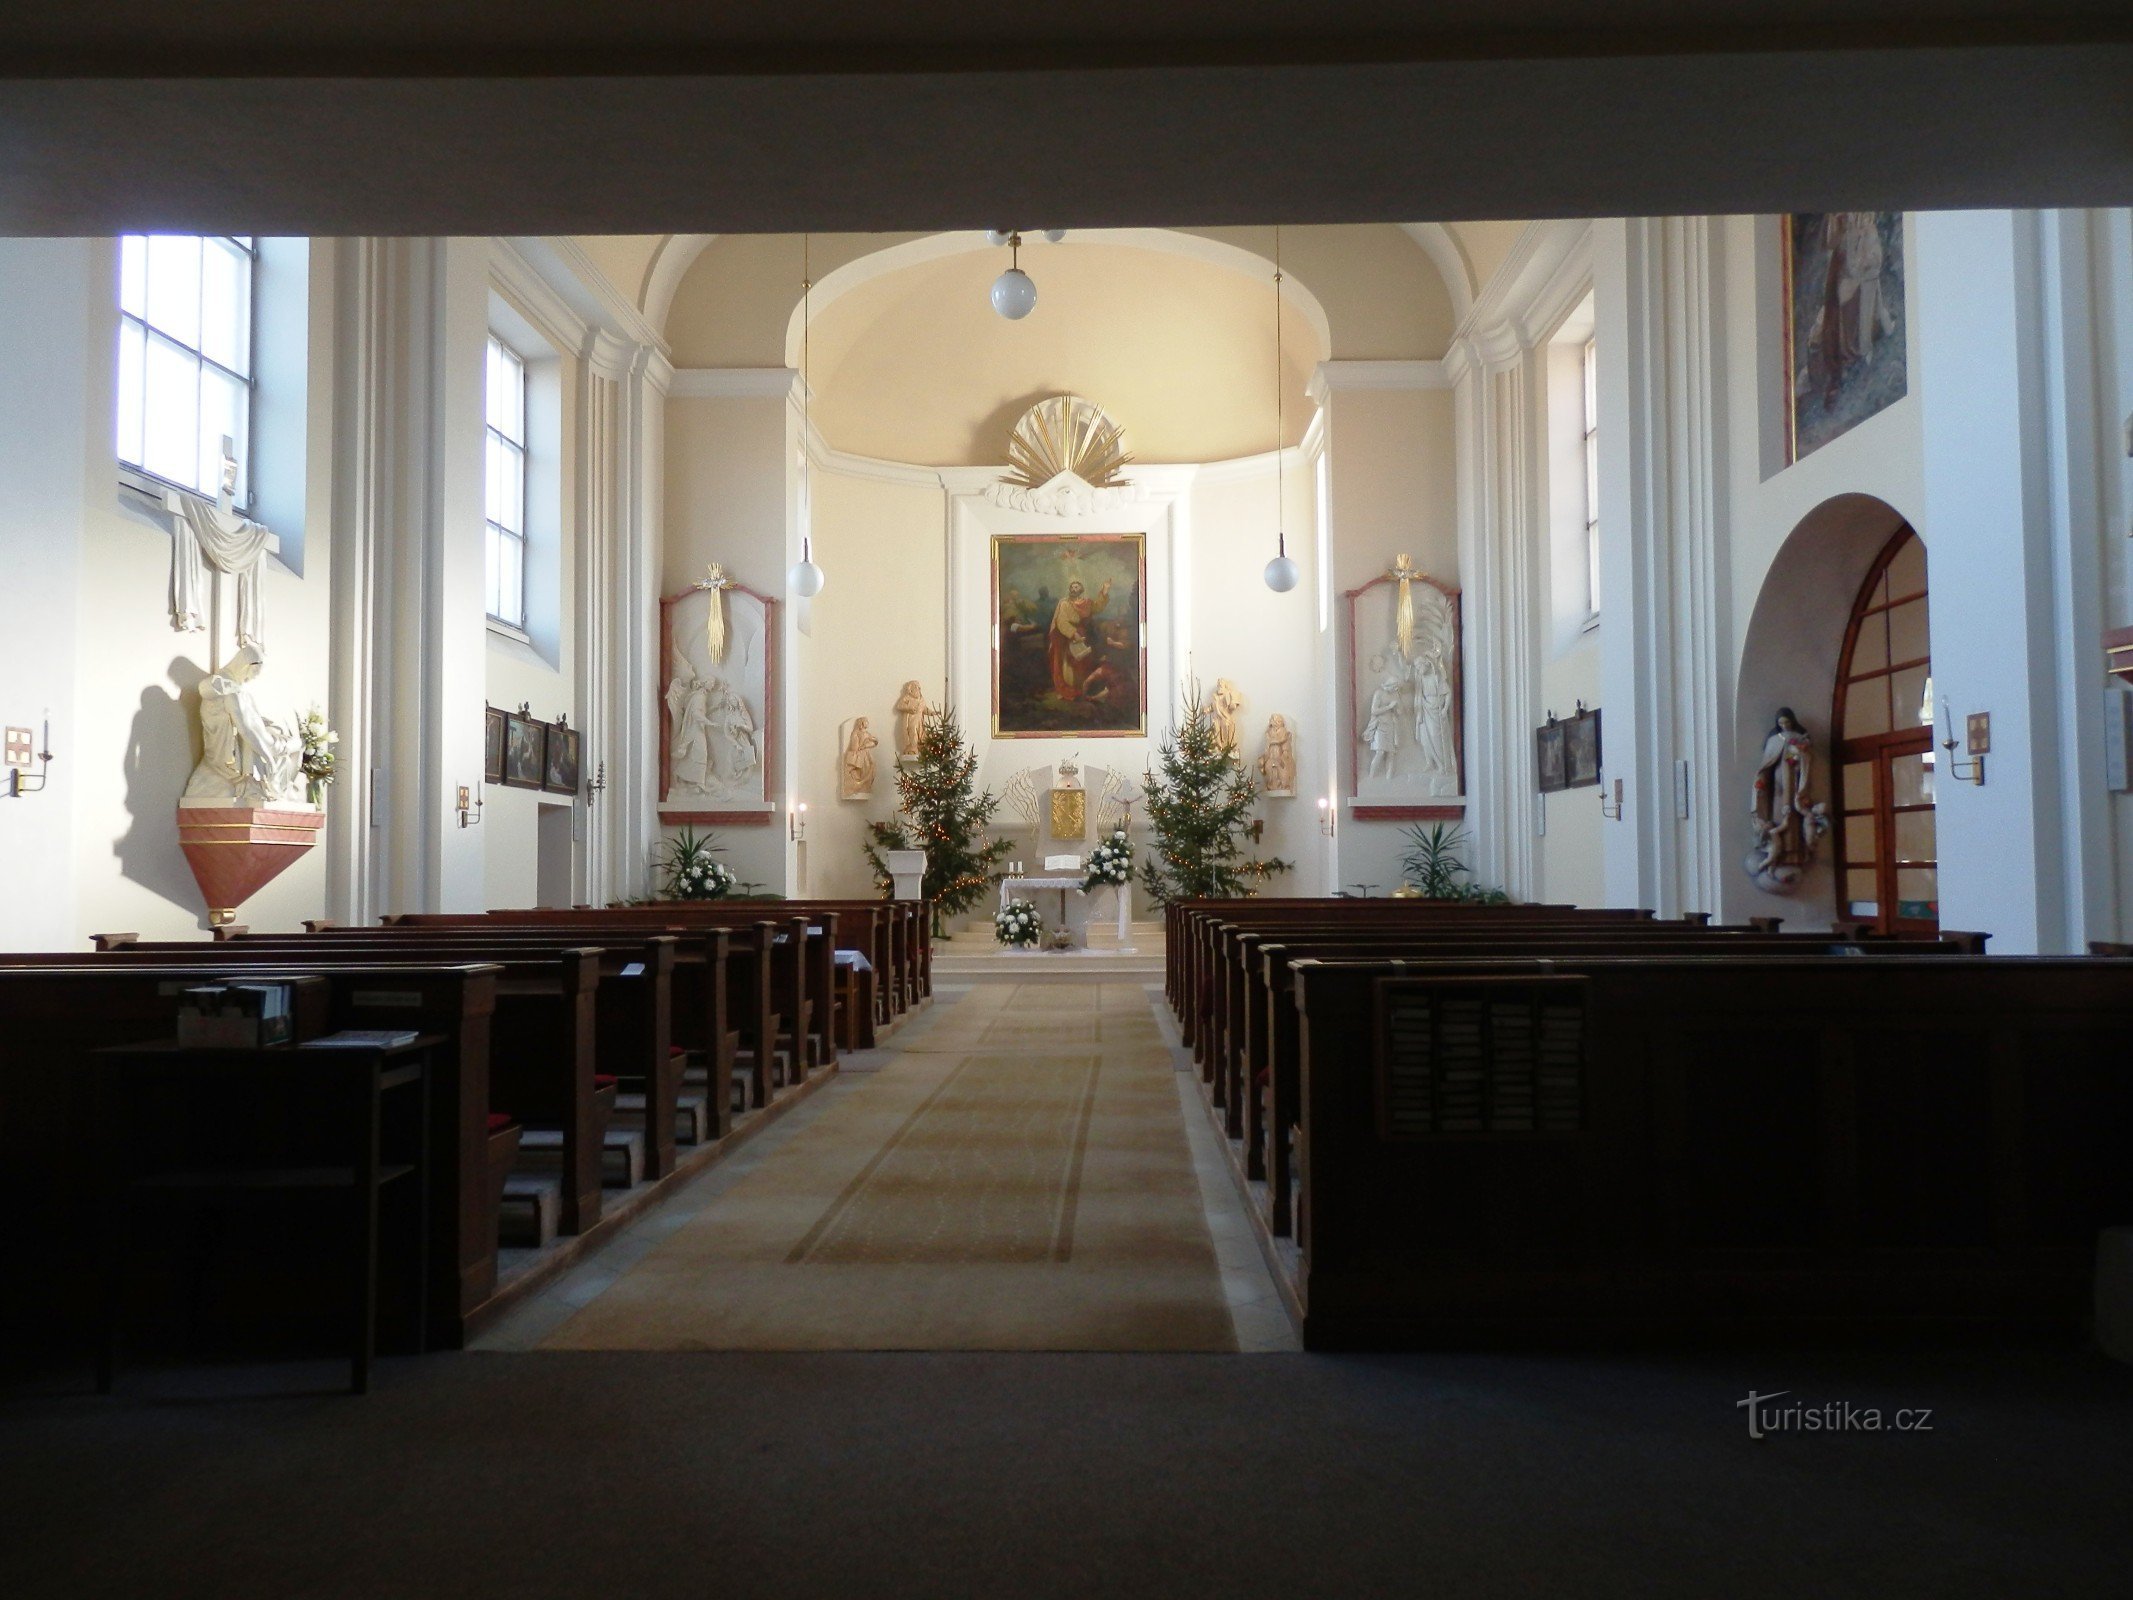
[[492, 745], [525, 752], [1548, 758], [1581, 750], [562, 773]]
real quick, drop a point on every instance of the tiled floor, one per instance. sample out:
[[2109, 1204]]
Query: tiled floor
[[1257, 1314]]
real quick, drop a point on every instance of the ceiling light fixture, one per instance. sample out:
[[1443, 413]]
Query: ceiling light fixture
[[1014, 294], [1281, 573], [805, 578]]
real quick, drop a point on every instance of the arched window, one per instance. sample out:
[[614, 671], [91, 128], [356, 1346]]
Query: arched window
[[1882, 730]]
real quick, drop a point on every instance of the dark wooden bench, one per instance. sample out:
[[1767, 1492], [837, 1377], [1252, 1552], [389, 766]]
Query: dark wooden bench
[[61, 1007], [1644, 1147]]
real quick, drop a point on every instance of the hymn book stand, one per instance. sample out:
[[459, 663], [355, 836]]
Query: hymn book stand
[[266, 1124]]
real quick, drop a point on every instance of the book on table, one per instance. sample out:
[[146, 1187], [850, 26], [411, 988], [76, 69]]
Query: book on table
[[362, 1039]]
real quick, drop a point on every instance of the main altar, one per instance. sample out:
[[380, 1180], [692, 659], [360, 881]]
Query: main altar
[[1070, 900]]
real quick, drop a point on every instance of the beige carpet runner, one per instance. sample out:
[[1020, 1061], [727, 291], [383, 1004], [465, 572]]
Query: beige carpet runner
[[1017, 1178]]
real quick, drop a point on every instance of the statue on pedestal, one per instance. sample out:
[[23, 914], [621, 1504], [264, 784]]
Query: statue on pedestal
[[910, 719], [856, 781], [1277, 762], [246, 758], [1786, 824]]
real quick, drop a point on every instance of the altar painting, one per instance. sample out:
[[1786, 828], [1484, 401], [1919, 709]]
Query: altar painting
[[1070, 622]]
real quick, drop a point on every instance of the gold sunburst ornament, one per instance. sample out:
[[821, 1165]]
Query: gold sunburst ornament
[[1066, 434]]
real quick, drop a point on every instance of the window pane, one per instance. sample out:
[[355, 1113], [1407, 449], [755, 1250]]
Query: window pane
[[1860, 890], [1858, 786], [507, 393], [491, 539], [511, 507], [221, 415], [511, 602], [1907, 632], [172, 442], [1917, 891], [133, 357], [1914, 836], [492, 495], [133, 274], [1862, 842], [1592, 385], [1870, 651], [1907, 571], [225, 305], [1908, 691], [1911, 781], [1866, 708], [174, 286]]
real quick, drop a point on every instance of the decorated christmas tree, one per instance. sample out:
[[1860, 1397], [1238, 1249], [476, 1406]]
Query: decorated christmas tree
[[940, 812], [1201, 809]]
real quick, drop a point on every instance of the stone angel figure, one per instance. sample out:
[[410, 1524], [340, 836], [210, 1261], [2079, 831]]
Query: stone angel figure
[[857, 765]]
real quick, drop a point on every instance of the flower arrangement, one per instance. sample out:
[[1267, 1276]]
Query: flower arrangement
[[1110, 863], [1017, 925], [318, 759], [690, 871]]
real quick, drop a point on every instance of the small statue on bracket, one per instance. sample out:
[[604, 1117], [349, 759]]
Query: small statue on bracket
[[1787, 824]]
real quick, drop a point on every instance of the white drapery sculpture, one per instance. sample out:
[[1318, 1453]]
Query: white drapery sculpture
[[203, 535]]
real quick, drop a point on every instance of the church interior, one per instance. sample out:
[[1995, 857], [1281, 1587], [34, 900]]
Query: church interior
[[1246, 801]]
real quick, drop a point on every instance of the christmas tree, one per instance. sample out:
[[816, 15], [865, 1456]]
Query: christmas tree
[[940, 812], [1201, 810]]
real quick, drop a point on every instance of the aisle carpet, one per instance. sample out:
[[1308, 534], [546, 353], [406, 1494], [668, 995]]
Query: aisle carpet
[[1016, 1179]]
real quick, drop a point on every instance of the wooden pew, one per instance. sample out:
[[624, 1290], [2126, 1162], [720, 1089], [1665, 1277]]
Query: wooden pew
[[1640, 1147], [633, 1006], [1263, 1080], [542, 1064], [61, 1006]]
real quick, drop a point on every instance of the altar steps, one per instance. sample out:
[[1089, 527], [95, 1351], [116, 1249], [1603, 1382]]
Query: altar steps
[[972, 956]]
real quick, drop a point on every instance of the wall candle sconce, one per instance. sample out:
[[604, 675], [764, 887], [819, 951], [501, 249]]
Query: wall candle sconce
[[20, 781], [796, 823], [1325, 816], [1977, 744], [469, 808], [1613, 813], [598, 784]]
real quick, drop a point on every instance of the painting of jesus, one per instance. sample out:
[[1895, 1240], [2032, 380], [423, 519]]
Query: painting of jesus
[[1069, 636]]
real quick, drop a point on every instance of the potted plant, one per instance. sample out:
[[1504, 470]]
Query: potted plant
[[1110, 863], [1017, 925], [689, 871], [1432, 866]]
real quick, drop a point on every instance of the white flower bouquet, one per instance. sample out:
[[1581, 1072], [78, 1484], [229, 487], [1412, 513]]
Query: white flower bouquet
[[691, 871], [317, 762], [1017, 925], [1110, 863]]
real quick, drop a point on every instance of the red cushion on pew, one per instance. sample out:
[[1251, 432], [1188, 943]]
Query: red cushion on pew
[[605, 1080], [500, 1120], [676, 1050]]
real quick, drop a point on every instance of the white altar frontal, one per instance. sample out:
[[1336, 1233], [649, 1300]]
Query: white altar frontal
[[1063, 903]]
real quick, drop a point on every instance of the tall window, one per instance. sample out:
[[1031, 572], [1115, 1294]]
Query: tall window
[[1592, 479], [1887, 865], [506, 495], [185, 358]]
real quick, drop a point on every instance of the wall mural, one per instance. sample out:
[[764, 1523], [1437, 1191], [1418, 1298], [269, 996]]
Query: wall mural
[[1844, 321], [1069, 652], [718, 681]]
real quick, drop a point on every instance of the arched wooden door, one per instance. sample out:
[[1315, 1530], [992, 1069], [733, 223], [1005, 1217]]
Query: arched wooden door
[[1882, 730]]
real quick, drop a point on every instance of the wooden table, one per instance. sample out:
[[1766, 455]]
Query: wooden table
[[234, 1123]]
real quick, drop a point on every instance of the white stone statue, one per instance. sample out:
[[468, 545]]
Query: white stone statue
[[1277, 762], [910, 719], [246, 758], [1787, 824], [856, 780], [1224, 704], [689, 744], [1381, 730], [731, 717], [1433, 725]]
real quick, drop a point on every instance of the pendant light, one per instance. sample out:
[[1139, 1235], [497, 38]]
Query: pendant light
[[805, 578], [1281, 573], [1014, 293]]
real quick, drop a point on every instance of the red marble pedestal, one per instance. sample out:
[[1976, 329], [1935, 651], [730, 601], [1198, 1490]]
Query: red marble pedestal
[[235, 851]]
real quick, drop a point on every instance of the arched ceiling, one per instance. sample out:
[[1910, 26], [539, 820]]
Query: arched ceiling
[[915, 365]]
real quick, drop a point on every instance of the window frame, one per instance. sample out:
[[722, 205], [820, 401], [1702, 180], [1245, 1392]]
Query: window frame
[[137, 474], [492, 530], [1589, 455]]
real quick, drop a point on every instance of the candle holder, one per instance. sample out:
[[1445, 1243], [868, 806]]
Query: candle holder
[[20, 780]]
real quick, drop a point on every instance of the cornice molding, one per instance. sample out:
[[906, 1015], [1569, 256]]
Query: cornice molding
[[1329, 377], [573, 275], [536, 298], [1547, 271], [733, 383]]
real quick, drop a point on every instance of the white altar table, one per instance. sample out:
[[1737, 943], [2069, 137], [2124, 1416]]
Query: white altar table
[[1073, 905]]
